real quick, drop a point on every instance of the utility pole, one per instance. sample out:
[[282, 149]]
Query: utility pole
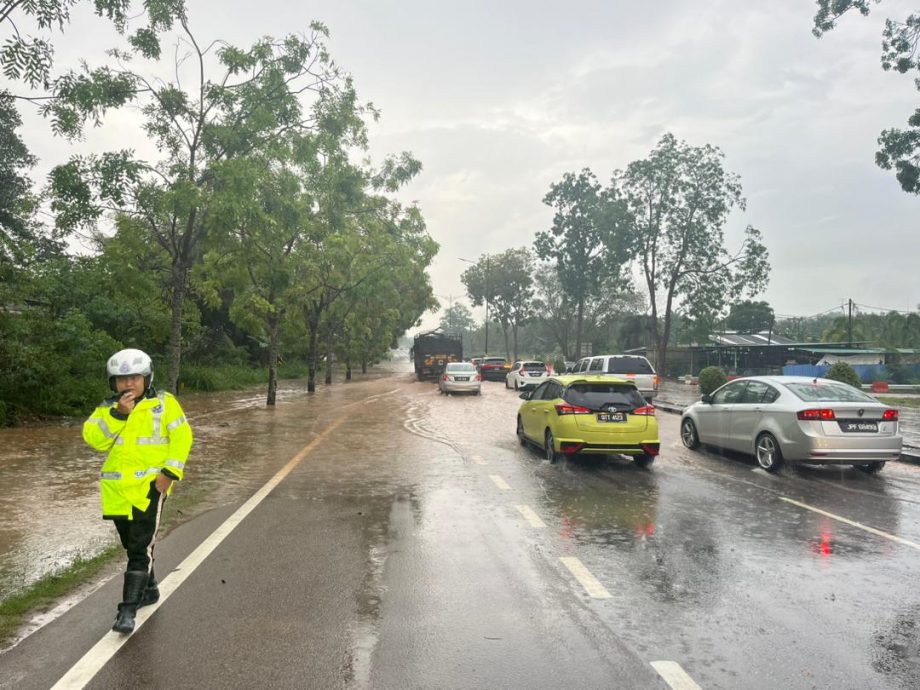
[[850, 323]]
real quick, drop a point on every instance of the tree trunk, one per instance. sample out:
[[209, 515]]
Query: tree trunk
[[514, 331], [272, 359], [312, 354], [348, 370], [328, 364], [579, 321], [364, 365], [507, 343], [179, 278]]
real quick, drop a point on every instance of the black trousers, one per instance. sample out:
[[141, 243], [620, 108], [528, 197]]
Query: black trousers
[[137, 534]]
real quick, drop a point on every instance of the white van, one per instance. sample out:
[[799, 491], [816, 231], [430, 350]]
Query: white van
[[632, 367]]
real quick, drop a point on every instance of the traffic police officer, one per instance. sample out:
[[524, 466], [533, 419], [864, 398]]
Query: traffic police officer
[[148, 440]]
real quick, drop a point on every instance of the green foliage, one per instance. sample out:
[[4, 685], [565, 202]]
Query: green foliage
[[711, 378], [841, 371], [749, 316], [900, 148]]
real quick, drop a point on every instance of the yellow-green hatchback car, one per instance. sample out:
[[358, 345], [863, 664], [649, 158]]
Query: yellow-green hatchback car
[[593, 415]]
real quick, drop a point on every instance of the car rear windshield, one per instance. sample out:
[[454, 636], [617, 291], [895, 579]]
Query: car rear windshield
[[534, 366], [493, 360], [460, 366], [600, 396], [629, 365], [828, 392]]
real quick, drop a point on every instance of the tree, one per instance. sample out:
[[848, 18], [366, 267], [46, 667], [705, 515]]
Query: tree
[[31, 59], [900, 148], [748, 316], [252, 104], [843, 372], [457, 318], [589, 241], [481, 287], [679, 199], [512, 271]]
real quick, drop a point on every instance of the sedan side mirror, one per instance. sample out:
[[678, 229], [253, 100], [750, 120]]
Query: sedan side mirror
[[706, 398], [524, 396]]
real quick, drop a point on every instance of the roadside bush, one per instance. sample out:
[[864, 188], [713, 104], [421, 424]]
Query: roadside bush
[[843, 372], [710, 379], [559, 366]]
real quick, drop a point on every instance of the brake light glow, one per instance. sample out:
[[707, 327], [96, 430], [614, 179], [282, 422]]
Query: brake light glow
[[477, 378], [818, 415], [647, 411], [565, 409], [890, 415], [445, 378], [651, 448], [656, 381]]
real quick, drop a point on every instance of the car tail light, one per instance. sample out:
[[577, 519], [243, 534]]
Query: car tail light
[[651, 448], [819, 415], [570, 447], [656, 381], [445, 378], [477, 377], [565, 409], [890, 415], [646, 411]]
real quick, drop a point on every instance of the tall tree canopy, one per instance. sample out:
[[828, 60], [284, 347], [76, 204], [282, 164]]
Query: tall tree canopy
[[899, 148], [679, 199], [589, 241]]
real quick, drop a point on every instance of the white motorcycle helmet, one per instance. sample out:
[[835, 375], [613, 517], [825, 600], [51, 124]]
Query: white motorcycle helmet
[[128, 362]]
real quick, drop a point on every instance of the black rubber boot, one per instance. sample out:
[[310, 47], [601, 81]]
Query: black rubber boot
[[135, 581], [151, 591]]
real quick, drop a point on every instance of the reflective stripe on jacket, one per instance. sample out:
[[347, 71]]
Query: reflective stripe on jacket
[[155, 436]]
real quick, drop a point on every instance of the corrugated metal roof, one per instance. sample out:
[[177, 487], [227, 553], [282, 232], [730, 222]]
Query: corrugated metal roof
[[750, 339]]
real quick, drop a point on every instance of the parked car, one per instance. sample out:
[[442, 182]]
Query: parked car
[[460, 377], [494, 368], [633, 367], [570, 367], [476, 361], [594, 415], [781, 419], [524, 375]]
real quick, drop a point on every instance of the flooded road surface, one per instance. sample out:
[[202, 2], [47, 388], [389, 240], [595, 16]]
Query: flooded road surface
[[416, 543]]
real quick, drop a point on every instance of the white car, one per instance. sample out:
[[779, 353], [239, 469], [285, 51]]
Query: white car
[[631, 367], [525, 374], [460, 377]]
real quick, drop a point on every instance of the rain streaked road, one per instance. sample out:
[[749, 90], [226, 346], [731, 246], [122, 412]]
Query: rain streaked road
[[415, 543]]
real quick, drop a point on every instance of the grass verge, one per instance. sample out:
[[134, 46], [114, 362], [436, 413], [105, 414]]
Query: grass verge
[[45, 593], [899, 402]]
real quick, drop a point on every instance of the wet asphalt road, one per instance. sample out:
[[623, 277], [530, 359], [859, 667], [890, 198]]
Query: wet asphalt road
[[417, 545]]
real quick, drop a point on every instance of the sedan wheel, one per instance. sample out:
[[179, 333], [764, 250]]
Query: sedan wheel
[[643, 460], [768, 454], [520, 432], [872, 467], [688, 434], [549, 447]]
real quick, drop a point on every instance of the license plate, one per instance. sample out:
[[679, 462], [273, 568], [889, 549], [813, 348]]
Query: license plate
[[858, 426], [611, 417], [461, 378]]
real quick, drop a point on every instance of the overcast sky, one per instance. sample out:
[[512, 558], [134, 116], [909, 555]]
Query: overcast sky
[[500, 99]]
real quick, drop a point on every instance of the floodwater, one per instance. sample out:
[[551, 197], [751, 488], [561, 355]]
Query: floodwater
[[50, 513]]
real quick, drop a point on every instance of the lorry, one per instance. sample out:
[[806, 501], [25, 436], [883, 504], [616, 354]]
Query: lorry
[[432, 350]]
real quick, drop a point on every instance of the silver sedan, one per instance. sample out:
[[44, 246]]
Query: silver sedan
[[795, 419], [460, 377]]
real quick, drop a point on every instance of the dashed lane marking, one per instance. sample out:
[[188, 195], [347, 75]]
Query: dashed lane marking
[[591, 584], [500, 483], [674, 675], [531, 517], [852, 523], [89, 665]]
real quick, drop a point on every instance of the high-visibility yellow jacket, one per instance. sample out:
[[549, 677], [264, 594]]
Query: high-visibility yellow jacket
[[154, 438]]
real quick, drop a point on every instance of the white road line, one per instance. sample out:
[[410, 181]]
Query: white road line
[[500, 483], [674, 675], [89, 665], [478, 460], [531, 517], [583, 575], [870, 530]]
